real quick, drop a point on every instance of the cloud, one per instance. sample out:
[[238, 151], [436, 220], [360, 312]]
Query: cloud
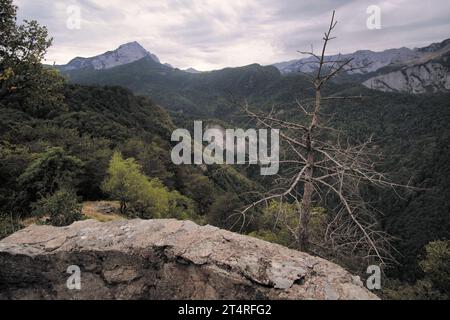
[[211, 34]]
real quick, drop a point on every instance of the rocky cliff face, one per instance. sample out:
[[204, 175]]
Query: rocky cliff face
[[163, 259], [428, 77]]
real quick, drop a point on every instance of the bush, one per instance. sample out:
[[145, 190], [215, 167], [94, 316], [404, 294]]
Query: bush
[[140, 196], [51, 171], [63, 208], [437, 265], [221, 212]]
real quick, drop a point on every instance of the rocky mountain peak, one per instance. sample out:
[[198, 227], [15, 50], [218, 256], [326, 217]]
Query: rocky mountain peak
[[124, 54]]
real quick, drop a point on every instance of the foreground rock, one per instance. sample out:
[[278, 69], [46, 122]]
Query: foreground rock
[[163, 259]]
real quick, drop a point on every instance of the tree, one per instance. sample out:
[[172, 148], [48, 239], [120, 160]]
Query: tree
[[435, 284], [323, 168], [62, 207], [24, 82], [51, 171], [143, 197], [138, 195], [219, 211], [437, 265]]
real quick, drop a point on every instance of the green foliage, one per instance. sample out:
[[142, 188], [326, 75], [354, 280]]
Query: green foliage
[[437, 265], [411, 131], [14, 159], [279, 223], [154, 158], [420, 290], [222, 213], [24, 83], [201, 190], [49, 172], [62, 207], [182, 208], [435, 284], [9, 224], [140, 196]]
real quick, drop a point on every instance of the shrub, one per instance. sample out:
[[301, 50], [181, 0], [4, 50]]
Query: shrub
[[63, 208], [140, 196], [437, 265]]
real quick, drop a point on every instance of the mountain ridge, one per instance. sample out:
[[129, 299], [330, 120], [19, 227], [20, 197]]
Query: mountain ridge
[[124, 54], [378, 59]]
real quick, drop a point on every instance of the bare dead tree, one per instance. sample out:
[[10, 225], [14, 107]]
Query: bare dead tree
[[322, 168]]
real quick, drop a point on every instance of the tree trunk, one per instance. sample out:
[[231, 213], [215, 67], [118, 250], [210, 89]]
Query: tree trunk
[[123, 207], [305, 210]]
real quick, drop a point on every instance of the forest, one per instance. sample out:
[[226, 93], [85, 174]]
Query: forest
[[106, 135]]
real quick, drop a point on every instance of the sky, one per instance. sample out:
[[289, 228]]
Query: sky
[[213, 34]]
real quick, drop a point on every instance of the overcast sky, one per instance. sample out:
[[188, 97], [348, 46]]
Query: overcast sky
[[212, 34]]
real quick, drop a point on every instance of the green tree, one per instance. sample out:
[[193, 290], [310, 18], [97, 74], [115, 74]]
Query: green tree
[[435, 284], [24, 82], [143, 197], [137, 194], [152, 157], [51, 171], [62, 207], [437, 265], [201, 189], [220, 213]]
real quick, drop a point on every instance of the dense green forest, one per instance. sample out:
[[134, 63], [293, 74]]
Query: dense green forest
[[65, 139]]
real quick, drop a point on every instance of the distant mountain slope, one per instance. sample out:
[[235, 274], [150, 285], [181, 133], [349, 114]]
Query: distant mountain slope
[[125, 54], [203, 94], [428, 73], [368, 61], [415, 71]]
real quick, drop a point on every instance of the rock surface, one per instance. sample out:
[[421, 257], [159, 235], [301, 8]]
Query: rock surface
[[429, 77], [163, 259]]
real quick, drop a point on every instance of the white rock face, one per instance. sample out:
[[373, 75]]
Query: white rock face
[[125, 54], [429, 77]]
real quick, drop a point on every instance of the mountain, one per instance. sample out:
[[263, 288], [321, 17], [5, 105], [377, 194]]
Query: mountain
[[428, 73], [202, 94], [368, 61], [125, 54], [192, 70], [414, 71]]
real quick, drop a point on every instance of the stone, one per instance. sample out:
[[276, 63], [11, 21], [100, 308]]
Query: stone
[[163, 259]]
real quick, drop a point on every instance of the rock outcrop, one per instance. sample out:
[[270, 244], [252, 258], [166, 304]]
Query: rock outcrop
[[428, 77], [163, 259]]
